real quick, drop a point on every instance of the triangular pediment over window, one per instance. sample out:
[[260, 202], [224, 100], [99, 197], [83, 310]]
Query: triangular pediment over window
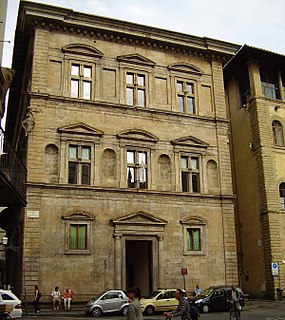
[[194, 220], [81, 129], [136, 59], [83, 50], [139, 218], [186, 68], [78, 216], [190, 141], [137, 134]]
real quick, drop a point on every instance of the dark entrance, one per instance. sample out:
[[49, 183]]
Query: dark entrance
[[139, 265]]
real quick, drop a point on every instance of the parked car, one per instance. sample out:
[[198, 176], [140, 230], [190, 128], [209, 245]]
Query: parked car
[[215, 299], [9, 298], [111, 301], [160, 300]]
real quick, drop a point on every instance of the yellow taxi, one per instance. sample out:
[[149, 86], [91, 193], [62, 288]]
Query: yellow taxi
[[160, 300]]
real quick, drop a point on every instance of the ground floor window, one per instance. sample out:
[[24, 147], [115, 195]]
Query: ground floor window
[[78, 237], [193, 239]]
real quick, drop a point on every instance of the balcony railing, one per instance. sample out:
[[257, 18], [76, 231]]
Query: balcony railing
[[12, 167]]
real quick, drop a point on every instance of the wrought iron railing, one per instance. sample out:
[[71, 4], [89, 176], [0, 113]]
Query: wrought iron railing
[[11, 166]]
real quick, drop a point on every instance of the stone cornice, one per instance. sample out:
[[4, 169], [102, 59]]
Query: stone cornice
[[131, 192], [151, 111], [67, 20]]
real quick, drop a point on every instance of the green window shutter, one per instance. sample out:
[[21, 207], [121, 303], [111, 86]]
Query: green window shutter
[[82, 230], [188, 239], [73, 233], [196, 239]]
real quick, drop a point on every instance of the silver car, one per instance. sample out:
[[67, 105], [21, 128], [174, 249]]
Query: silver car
[[108, 302]]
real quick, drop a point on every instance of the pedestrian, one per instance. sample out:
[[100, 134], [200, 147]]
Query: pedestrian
[[197, 290], [67, 297], [134, 310], [56, 298], [36, 301], [183, 309], [234, 298]]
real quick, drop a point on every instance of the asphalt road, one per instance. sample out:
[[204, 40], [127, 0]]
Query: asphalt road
[[272, 312]]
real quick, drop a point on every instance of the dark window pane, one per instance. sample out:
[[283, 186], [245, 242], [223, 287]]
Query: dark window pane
[[131, 177], [72, 172], [85, 171], [180, 103], [185, 181], [193, 239], [195, 182]]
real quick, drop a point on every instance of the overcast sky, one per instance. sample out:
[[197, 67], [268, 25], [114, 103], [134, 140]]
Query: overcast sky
[[258, 23]]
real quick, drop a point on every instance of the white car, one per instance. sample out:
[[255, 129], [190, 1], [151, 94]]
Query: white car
[[9, 298]]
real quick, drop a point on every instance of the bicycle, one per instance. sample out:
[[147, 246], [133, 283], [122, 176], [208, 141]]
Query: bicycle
[[5, 316], [234, 310]]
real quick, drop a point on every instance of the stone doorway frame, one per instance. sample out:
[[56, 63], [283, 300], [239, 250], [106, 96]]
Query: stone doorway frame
[[139, 226]]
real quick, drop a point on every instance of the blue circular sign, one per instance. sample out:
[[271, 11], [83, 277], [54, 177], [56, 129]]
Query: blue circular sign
[[274, 265]]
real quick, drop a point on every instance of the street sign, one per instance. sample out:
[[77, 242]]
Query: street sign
[[274, 268], [184, 271]]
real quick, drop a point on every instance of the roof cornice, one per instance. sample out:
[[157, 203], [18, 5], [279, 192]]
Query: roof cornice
[[67, 20]]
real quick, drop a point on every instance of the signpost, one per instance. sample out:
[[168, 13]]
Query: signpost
[[274, 268], [184, 273]]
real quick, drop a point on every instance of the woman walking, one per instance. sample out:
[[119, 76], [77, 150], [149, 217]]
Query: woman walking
[[36, 301], [134, 310]]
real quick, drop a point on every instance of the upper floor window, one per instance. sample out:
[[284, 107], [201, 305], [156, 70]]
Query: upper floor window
[[78, 237], [79, 164], [190, 174], [136, 89], [269, 84], [244, 88], [277, 129], [185, 97], [137, 169], [81, 81], [282, 195]]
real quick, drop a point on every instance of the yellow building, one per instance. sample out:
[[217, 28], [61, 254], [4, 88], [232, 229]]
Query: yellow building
[[129, 175], [255, 86]]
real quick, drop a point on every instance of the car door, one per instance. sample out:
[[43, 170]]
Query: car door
[[8, 299], [165, 301], [111, 301], [217, 299]]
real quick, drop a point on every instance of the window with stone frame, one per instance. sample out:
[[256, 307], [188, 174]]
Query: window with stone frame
[[81, 81], [193, 239], [278, 138], [185, 96], [78, 233], [137, 168], [190, 173], [136, 89], [282, 195], [79, 164]]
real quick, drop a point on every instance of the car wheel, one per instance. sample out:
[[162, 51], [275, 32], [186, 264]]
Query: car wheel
[[149, 310], [125, 310], [96, 312], [206, 308]]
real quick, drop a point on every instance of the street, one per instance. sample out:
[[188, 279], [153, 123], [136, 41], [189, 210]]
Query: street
[[270, 311]]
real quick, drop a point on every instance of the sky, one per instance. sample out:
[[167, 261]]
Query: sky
[[258, 23]]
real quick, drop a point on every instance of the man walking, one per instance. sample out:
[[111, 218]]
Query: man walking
[[183, 309]]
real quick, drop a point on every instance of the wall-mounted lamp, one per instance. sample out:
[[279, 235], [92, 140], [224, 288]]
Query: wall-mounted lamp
[[5, 240], [251, 146]]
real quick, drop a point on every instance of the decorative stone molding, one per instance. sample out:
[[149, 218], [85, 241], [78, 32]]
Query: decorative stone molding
[[194, 220], [28, 123], [136, 59], [83, 50], [185, 68], [81, 129], [190, 141], [139, 218], [137, 134], [78, 215]]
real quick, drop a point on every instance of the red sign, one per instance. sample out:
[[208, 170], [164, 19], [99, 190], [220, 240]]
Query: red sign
[[184, 271]]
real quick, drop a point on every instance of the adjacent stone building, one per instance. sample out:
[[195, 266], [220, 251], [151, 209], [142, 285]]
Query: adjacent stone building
[[255, 85], [129, 175]]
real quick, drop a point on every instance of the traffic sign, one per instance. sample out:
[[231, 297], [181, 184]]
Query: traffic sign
[[184, 271], [274, 268]]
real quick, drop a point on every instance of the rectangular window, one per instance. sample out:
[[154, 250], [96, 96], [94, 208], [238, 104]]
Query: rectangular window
[[80, 81], [193, 239], [269, 84], [137, 169], [79, 164], [190, 175], [185, 97], [78, 237], [135, 89]]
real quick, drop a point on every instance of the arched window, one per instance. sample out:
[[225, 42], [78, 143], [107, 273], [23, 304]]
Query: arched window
[[278, 138], [282, 195]]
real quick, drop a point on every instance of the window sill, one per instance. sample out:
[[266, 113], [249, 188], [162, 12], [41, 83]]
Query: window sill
[[279, 147], [78, 252], [194, 253]]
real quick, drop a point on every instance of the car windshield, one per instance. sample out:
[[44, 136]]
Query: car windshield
[[153, 295], [207, 292]]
